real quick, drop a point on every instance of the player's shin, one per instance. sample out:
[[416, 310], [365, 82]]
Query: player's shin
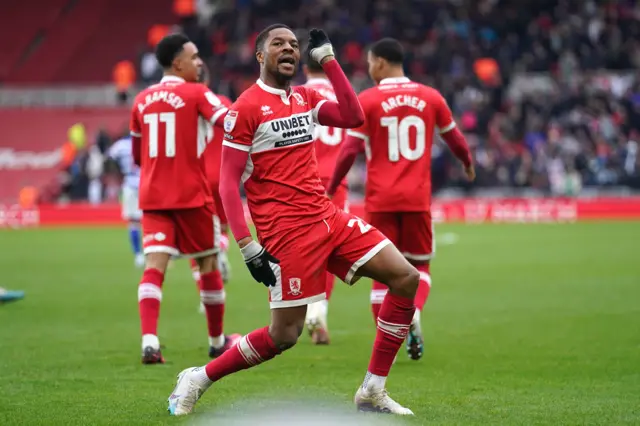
[[149, 298], [396, 313], [134, 237], [212, 296], [424, 286], [253, 349], [378, 292]]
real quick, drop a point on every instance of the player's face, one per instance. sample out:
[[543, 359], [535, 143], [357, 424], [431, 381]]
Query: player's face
[[375, 66], [188, 63], [281, 53]]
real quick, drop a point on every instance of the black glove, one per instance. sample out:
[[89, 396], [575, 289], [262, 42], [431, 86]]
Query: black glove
[[257, 260], [319, 45]]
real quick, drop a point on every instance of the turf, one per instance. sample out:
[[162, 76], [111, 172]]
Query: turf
[[527, 324]]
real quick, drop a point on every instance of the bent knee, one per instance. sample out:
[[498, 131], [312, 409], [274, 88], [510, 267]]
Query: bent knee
[[285, 337], [406, 283]]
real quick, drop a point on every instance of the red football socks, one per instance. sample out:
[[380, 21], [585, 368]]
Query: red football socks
[[394, 319], [149, 298], [424, 286], [378, 292], [253, 349], [330, 280], [212, 296]]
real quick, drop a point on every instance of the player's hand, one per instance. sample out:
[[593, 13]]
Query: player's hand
[[470, 172], [259, 261], [320, 48]]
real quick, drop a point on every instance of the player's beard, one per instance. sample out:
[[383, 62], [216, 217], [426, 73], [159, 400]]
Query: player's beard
[[283, 79]]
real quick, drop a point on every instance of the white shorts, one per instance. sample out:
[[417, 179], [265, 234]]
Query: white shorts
[[130, 206]]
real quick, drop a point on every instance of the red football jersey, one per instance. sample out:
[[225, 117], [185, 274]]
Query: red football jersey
[[171, 119], [281, 177], [401, 118], [213, 153], [328, 139]]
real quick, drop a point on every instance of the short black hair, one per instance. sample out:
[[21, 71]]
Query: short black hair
[[262, 37], [313, 65], [169, 47], [389, 49]]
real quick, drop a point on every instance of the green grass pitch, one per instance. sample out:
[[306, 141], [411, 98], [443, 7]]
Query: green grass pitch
[[526, 324]]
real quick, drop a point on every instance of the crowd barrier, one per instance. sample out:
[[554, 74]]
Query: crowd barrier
[[470, 210]]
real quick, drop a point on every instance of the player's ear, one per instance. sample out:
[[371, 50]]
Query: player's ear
[[260, 57], [305, 70]]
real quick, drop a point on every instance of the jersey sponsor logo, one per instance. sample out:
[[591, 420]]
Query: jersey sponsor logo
[[294, 141], [230, 121], [291, 123], [294, 286]]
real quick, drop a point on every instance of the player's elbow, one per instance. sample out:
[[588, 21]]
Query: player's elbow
[[355, 120]]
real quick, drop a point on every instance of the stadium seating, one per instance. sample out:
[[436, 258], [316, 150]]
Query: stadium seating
[[20, 29], [80, 43]]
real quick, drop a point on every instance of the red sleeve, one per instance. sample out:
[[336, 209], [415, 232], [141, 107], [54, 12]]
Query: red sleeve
[[458, 145], [136, 135], [210, 106], [239, 127], [232, 167], [346, 112], [347, 156], [444, 117]]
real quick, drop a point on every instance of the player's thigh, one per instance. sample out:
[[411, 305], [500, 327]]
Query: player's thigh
[[130, 206], [300, 276], [159, 232], [385, 222], [198, 231], [416, 241], [356, 242]]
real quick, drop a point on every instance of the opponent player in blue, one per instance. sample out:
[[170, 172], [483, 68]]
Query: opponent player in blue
[[120, 152]]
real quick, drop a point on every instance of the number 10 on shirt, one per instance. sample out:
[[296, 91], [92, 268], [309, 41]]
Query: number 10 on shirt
[[169, 121]]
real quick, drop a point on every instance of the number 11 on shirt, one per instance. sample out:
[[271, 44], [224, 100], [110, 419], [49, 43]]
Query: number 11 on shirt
[[169, 120]]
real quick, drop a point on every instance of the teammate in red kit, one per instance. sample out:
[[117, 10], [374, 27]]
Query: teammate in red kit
[[327, 145], [212, 157], [401, 118], [169, 124], [269, 147]]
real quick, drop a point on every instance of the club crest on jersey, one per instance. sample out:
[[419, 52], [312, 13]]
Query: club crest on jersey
[[230, 121], [294, 287], [299, 100]]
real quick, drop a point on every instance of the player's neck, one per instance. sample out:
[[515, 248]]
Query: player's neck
[[171, 74], [394, 73], [274, 82]]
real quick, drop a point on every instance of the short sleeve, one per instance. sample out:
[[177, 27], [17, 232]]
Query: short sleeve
[[444, 117], [239, 127], [362, 132], [316, 100], [134, 124], [209, 105]]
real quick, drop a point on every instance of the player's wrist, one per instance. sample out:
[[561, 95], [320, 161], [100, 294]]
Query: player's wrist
[[327, 59], [249, 248], [323, 54]]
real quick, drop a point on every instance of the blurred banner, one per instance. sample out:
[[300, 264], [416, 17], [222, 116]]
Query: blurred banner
[[34, 142], [512, 210]]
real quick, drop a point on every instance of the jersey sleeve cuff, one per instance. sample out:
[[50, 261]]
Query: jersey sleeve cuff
[[135, 134], [358, 135], [316, 110], [218, 114], [448, 127], [245, 148]]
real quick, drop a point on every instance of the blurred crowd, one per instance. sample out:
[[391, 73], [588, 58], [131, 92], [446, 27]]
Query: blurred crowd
[[545, 90]]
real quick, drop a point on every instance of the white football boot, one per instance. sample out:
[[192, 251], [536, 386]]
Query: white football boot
[[316, 321], [187, 392], [379, 401]]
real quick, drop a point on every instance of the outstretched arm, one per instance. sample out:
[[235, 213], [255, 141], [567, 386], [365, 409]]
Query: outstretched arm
[[346, 112], [347, 156], [458, 145]]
